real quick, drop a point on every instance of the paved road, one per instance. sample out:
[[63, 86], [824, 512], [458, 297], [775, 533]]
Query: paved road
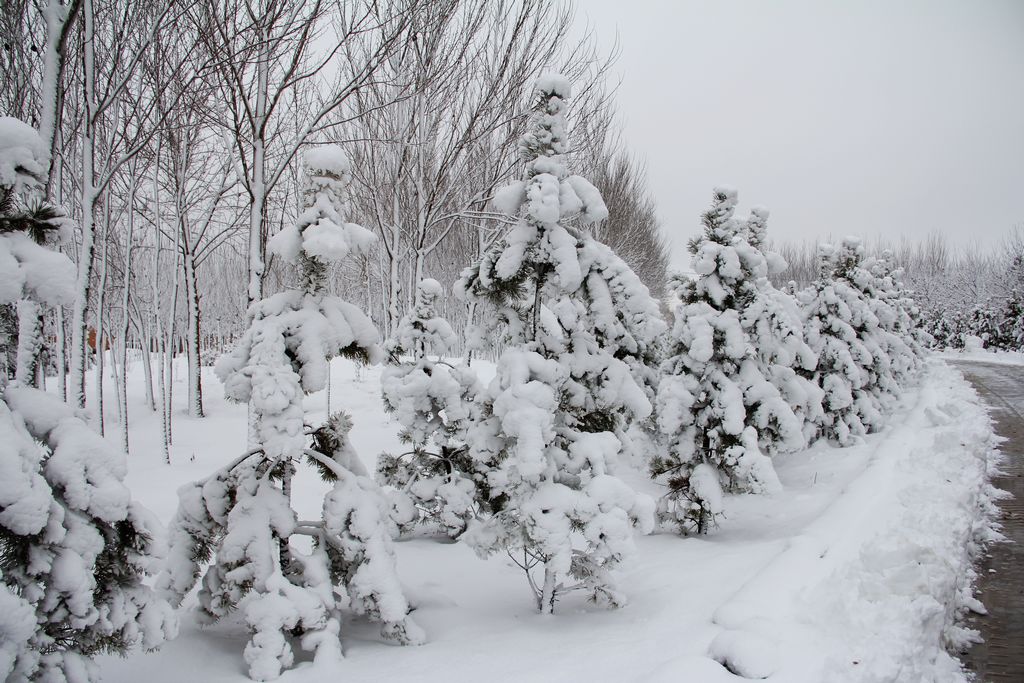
[[1001, 581]]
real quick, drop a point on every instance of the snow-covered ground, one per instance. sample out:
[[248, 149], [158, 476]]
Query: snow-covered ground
[[855, 571], [984, 356]]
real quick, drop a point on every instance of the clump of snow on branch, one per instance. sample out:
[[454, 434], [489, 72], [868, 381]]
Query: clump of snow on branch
[[22, 155], [31, 271]]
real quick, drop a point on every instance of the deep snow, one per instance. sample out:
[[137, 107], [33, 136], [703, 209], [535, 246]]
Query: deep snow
[[855, 571]]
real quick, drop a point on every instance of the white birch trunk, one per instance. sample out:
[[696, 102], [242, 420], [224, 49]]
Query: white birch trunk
[[547, 596], [56, 16], [259, 181], [394, 309], [169, 348], [161, 346], [195, 383], [85, 254], [258, 205], [99, 417], [161, 381], [125, 315], [145, 344]]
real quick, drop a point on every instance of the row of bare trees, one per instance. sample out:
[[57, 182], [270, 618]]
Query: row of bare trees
[[174, 129]]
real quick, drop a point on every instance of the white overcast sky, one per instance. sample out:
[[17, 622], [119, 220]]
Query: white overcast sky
[[882, 118]]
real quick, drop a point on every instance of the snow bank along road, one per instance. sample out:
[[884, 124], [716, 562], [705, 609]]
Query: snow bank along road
[[857, 571], [1001, 583]]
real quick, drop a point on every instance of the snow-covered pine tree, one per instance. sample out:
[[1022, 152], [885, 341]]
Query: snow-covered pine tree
[[853, 369], [433, 400], [549, 433], [983, 321], [898, 317], [1013, 321], [422, 329], [912, 318], [715, 401], [773, 320], [74, 546], [944, 328], [28, 227], [241, 518], [614, 311]]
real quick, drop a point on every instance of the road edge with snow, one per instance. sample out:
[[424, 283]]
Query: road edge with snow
[[880, 585]]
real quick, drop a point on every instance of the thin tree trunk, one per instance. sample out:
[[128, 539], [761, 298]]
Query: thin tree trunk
[[259, 186], [394, 285], [170, 348], [115, 373], [119, 360], [99, 338], [125, 319], [146, 342], [172, 344], [284, 559], [383, 281], [256, 210], [58, 18], [78, 315], [368, 281], [471, 312], [547, 596], [192, 342], [162, 380], [467, 347], [56, 180]]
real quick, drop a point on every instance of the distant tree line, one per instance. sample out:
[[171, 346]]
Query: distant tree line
[[961, 291]]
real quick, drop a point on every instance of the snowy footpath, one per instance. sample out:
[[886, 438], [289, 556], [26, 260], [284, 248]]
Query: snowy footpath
[[859, 570]]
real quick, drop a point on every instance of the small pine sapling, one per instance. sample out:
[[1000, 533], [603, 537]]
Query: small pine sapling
[[717, 403], [433, 400], [898, 318], [548, 436], [241, 519], [853, 369], [773, 320]]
